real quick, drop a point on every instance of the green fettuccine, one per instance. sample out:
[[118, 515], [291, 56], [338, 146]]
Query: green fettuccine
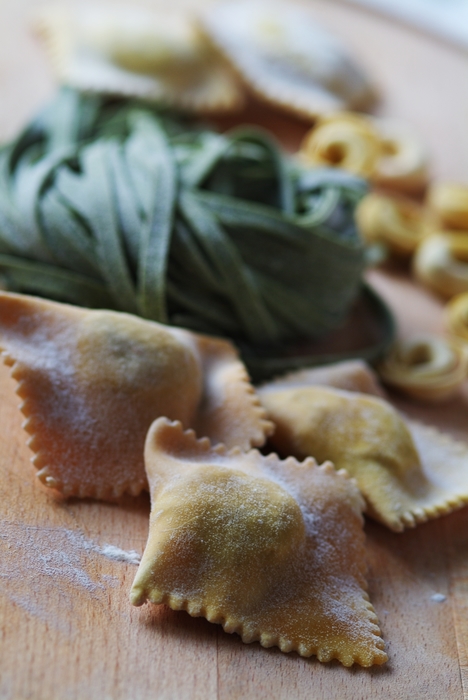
[[116, 204]]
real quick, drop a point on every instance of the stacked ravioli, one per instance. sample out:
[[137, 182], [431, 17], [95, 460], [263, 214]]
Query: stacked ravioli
[[205, 58], [270, 548]]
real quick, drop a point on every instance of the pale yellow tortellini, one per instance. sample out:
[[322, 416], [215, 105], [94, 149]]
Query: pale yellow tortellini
[[426, 367], [398, 223], [386, 152], [404, 162], [456, 315], [270, 549], [345, 140], [441, 263], [449, 201]]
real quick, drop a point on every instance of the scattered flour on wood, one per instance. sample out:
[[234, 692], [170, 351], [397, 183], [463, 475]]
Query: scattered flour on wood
[[116, 554], [38, 564], [438, 597]]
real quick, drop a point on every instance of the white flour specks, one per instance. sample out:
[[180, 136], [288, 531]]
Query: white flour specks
[[112, 552], [107, 550], [438, 597], [40, 563]]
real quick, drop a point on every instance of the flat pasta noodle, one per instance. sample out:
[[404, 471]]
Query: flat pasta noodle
[[130, 208], [407, 473], [270, 549], [92, 382]]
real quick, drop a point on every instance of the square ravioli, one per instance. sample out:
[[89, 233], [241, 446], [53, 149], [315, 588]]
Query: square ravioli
[[407, 472], [270, 549], [148, 53], [92, 382]]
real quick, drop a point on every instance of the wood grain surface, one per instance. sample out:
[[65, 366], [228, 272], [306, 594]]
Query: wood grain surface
[[67, 629]]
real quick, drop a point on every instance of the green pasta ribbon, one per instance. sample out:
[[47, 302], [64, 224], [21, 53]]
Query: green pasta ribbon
[[117, 204]]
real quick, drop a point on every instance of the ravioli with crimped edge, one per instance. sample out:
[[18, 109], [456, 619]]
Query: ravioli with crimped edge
[[407, 472], [270, 549], [134, 51], [92, 382]]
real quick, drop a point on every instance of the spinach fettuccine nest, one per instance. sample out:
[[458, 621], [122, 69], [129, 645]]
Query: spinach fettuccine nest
[[119, 205]]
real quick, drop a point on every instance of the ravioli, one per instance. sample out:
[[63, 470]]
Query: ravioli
[[285, 59], [149, 53], [92, 382], [407, 472], [270, 549], [351, 375]]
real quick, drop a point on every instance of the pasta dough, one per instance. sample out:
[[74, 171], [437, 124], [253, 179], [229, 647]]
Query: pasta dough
[[272, 550], [427, 367], [134, 51], [407, 472], [351, 375], [92, 382], [285, 59]]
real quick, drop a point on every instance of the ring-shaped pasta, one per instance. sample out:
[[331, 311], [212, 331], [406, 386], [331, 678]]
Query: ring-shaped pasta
[[449, 201], [426, 367], [441, 263], [398, 223], [404, 163], [346, 140], [456, 316]]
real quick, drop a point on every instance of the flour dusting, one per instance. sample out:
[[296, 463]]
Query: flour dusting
[[50, 563], [116, 554], [438, 597], [107, 550]]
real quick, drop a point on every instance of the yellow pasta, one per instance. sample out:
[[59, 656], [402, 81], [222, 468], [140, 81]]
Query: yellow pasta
[[407, 473], [270, 549], [399, 224], [285, 59], [346, 140], [456, 315], [404, 162], [351, 375], [426, 367], [441, 263], [154, 54], [92, 382], [449, 201]]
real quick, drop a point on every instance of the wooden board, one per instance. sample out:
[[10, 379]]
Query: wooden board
[[67, 629]]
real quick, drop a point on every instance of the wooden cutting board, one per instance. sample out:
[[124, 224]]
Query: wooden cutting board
[[67, 629]]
